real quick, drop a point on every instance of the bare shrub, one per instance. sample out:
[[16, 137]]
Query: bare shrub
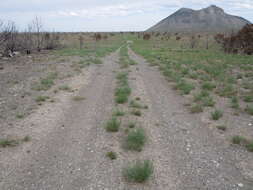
[[193, 42], [27, 42], [9, 38], [146, 36], [38, 26], [97, 36], [242, 42], [81, 40], [51, 40]]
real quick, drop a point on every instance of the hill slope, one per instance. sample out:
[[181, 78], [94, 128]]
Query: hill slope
[[210, 19]]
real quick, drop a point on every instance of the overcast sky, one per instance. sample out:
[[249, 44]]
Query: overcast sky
[[108, 15]]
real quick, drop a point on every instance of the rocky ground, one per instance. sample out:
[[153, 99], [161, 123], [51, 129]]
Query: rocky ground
[[69, 143]]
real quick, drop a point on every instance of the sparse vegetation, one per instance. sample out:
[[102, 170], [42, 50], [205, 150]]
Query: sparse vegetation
[[136, 112], [78, 98], [135, 104], [222, 127], [123, 90], [131, 124], [240, 140], [210, 74], [196, 108], [235, 102], [65, 88], [45, 83], [249, 109], [118, 113], [184, 87], [208, 86], [26, 139], [40, 99], [20, 115], [8, 142]]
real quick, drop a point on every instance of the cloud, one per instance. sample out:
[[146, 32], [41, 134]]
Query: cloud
[[114, 14], [123, 9]]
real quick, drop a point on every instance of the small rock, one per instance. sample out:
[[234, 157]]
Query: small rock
[[16, 53], [250, 124], [240, 185]]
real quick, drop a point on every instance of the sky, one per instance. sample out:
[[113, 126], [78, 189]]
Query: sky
[[108, 15]]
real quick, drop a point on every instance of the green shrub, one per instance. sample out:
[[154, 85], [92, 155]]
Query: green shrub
[[65, 88], [227, 91], [131, 124], [138, 172], [208, 86], [135, 140], [20, 115], [46, 83], [222, 127], [184, 87], [248, 98], [249, 146], [113, 125], [118, 113], [234, 102], [8, 143], [122, 94], [196, 108], [78, 98], [136, 112], [208, 101], [238, 139], [249, 109], [111, 155], [199, 96], [216, 115], [41, 98]]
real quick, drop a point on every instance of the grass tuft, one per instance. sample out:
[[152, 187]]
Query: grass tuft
[[216, 115], [8, 143], [118, 113], [138, 172], [196, 108], [26, 139], [65, 88], [78, 98], [222, 127], [238, 139], [135, 140], [249, 109], [20, 115], [41, 98], [113, 125], [111, 155], [184, 87], [131, 124], [136, 112]]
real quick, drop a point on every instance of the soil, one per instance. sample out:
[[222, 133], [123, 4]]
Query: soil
[[69, 143]]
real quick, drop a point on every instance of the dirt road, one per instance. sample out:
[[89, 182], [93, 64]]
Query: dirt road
[[68, 152]]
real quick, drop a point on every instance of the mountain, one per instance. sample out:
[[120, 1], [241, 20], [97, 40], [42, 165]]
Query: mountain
[[211, 19]]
